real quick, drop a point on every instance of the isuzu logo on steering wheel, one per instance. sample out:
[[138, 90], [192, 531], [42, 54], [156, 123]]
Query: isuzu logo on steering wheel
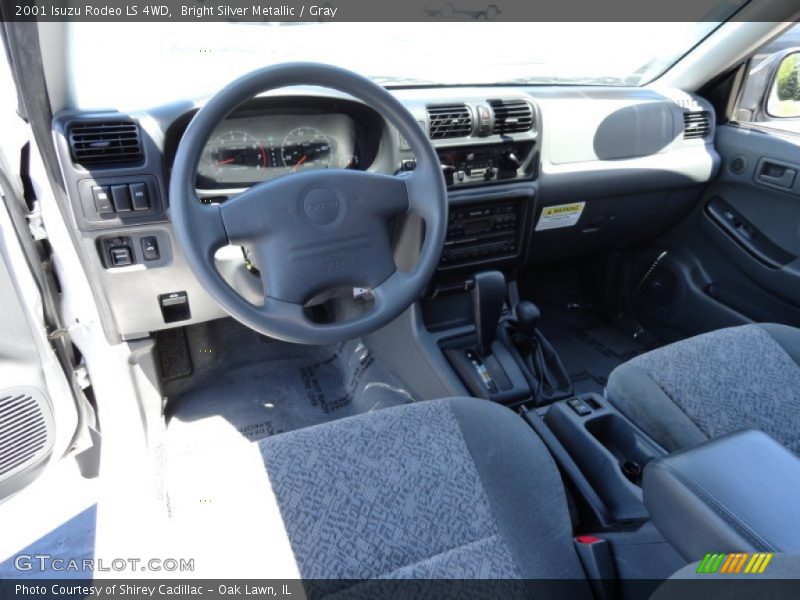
[[321, 206]]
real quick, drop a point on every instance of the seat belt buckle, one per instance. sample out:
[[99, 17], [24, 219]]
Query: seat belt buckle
[[598, 564]]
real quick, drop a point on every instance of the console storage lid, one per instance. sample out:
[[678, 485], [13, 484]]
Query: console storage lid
[[740, 492]]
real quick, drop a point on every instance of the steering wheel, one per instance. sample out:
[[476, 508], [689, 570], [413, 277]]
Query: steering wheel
[[313, 231]]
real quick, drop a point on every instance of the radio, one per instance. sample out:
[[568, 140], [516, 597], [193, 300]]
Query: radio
[[480, 232]]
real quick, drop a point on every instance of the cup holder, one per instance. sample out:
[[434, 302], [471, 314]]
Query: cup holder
[[620, 438], [632, 470]]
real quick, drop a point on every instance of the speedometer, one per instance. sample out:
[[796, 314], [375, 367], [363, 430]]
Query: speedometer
[[306, 148], [236, 154]]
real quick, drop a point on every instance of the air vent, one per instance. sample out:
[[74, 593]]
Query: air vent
[[104, 142], [661, 287], [449, 121], [737, 164], [511, 116], [25, 436], [696, 125]]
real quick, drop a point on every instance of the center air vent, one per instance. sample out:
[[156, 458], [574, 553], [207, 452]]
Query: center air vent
[[103, 142], [449, 121], [696, 125], [511, 116]]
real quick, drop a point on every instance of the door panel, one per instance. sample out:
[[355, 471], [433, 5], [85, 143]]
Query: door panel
[[769, 216], [38, 415], [736, 257]]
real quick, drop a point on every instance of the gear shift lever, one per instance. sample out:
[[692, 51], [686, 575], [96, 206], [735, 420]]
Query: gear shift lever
[[548, 378], [528, 317], [488, 295]]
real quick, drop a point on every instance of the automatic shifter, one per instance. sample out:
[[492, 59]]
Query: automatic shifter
[[488, 295], [487, 368], [543, 369]]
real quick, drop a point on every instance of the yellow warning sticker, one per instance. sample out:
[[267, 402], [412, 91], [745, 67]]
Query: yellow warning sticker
[[561, 215]]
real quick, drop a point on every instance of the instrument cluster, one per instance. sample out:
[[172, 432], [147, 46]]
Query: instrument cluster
[[258, 144]]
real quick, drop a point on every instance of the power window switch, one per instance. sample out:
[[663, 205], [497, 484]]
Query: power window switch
[[150, 248], [121, 256], [102, 200], [121, 197], [140, 197]]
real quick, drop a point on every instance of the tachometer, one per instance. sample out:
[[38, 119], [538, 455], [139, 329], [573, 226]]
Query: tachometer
[[306, 148], [232, 152]]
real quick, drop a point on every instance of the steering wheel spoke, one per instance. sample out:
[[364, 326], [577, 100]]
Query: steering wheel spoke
[[421, 200]]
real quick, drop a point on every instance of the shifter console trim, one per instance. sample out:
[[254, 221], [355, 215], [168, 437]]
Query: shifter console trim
[[480, 369]]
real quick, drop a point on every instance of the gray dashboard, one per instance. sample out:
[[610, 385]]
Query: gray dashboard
[[580, 170]]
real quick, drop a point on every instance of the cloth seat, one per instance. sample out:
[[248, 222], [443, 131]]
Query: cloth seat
[[456, 488], [713, 384], [443, 489]]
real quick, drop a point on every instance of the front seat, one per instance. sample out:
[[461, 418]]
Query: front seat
[[457, 488], [713, 384]]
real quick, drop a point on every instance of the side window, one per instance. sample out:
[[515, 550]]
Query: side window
[[770, 96]]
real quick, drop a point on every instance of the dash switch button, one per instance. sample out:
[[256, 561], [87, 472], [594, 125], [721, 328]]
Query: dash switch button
[[102, 200], [150, 248], [139, 196]]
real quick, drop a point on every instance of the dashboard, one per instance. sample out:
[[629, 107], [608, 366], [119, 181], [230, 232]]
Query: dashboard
[[534, 175]]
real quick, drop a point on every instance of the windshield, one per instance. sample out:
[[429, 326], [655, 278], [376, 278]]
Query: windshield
[[133, 65]]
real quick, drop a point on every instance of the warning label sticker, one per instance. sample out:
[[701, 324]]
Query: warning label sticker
[[561, 215]]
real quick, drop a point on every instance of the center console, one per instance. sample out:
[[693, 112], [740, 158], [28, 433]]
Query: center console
[[737, 493], [610, 451]]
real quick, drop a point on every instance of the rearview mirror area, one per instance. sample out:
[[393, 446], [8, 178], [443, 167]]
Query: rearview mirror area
[[784, 97]]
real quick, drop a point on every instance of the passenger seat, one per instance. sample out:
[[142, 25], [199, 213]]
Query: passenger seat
[[713, 384]]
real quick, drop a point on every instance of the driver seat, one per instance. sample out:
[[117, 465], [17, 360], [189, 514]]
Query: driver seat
[[456, 488]]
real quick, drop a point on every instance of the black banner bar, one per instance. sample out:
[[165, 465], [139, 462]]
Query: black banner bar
[[393, 10]]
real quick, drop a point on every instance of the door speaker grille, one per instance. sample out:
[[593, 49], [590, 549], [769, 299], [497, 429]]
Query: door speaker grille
[[661, 287], [737, 165], [26, 429]]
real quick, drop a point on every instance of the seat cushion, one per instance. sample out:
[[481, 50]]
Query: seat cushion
[[713, 384], [456, 488]]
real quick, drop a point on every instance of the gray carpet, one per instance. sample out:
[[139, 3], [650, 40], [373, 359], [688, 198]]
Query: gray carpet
[[590, 347], [263, 387]]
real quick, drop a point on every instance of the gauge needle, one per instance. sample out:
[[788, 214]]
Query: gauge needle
[[300, 162], [227, 161]]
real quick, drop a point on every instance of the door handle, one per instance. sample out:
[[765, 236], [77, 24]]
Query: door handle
[[776, 174]]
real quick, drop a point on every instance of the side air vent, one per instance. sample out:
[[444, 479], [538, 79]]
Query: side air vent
[[511, 116], [105, 142], [696, 125], [449, 121], [25, 429]]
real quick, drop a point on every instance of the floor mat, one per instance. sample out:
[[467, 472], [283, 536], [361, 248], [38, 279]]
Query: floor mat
[[263, 387], [589, 346]]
